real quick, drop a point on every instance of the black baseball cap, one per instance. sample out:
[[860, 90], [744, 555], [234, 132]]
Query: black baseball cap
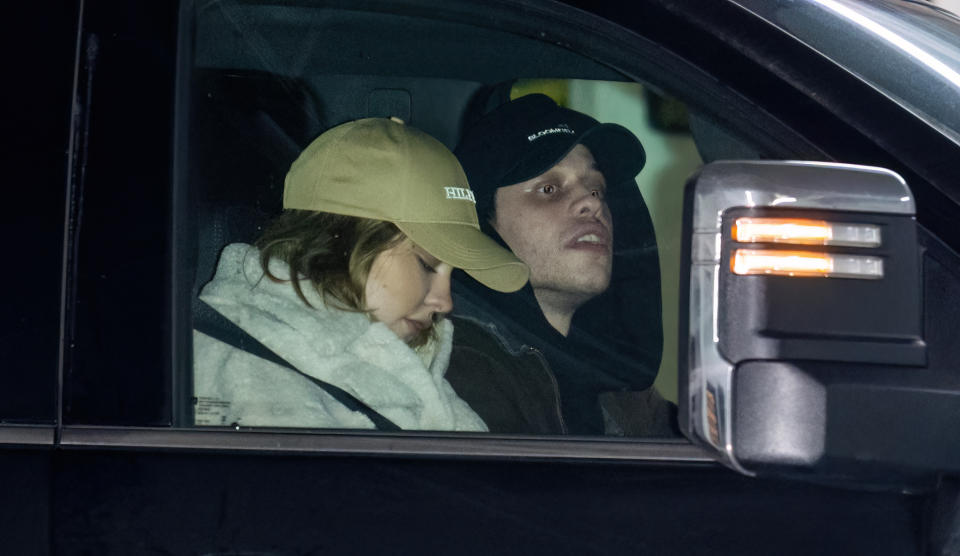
[[525, 137]]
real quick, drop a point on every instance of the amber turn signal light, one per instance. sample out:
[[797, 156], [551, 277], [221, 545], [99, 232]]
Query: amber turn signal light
[[804, 231], [774, 262]]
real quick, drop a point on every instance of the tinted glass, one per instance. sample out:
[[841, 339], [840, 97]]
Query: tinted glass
[[34, 216], [118, 367]]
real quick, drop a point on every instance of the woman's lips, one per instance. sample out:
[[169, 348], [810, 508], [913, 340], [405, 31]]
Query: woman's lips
[[415, 325]]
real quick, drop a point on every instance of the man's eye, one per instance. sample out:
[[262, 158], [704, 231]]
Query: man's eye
[[598, 193], [426, 266], [549, 189]]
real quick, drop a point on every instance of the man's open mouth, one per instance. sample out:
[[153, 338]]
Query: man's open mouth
[[590, 236]]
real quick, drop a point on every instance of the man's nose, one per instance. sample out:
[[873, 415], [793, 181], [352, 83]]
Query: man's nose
[[439, 298], [588, 200]]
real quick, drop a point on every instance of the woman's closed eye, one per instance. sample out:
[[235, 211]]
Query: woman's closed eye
[[426, 266]]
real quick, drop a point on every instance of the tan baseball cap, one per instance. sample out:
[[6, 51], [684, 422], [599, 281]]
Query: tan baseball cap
[[382, 169]]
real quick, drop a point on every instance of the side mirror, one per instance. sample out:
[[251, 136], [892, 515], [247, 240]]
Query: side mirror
[[802, 352]]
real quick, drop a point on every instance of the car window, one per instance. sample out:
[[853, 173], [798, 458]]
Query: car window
[[264, 82], [34, 222], [117, 360], [257, 83]]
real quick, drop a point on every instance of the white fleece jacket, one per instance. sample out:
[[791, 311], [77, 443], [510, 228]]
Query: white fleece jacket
[[338, 347]]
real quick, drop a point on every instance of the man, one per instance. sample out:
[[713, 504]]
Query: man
[[566, 354]]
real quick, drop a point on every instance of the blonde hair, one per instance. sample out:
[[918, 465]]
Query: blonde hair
[[334, 252]]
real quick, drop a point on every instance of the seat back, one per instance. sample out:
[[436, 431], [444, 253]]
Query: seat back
[[245, 129]]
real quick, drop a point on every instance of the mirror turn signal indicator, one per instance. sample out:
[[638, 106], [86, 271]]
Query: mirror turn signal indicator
[[805, 263], [804, 231]]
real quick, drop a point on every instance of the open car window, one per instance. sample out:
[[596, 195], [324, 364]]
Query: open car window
[[255, 83], [262, 80]]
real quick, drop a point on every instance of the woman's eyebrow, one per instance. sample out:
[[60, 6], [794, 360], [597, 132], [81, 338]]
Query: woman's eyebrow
[[421, 252]]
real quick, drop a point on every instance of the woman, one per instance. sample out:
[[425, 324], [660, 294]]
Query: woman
[[334, 317]]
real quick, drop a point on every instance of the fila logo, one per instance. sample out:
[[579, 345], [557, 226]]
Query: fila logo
[[460, 193], [561, 128]]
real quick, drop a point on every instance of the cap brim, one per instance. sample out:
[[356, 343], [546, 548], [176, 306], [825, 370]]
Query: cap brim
[[465, 247]]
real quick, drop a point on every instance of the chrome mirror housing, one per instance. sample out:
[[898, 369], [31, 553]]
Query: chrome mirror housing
[[801, 321]]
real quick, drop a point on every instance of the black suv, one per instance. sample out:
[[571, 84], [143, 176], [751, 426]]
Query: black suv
[[150, 134]]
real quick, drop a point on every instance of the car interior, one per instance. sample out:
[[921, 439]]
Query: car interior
[[265, 79]]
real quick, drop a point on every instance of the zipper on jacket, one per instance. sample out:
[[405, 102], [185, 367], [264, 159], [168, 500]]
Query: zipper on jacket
[[553, 380], [530, 350]]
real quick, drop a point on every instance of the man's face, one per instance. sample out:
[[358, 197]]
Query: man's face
[[559, 224]]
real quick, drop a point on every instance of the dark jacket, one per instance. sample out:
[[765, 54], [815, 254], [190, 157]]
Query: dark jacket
[[512, 392], [522, 376]]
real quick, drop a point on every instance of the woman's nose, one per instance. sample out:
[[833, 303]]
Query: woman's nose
[[439, 298]]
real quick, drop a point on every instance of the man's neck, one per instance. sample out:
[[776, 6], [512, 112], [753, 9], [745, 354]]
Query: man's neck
[[558, 307]]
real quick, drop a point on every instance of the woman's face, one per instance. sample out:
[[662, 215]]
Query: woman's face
[[406, 288]]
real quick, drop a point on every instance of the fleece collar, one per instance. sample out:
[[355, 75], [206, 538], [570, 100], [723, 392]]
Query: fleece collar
[[340, 347]]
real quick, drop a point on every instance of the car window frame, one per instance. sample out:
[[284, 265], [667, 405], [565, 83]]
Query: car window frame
[[617, 47]]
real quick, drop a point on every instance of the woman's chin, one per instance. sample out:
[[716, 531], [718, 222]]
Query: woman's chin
[[403, 330]]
